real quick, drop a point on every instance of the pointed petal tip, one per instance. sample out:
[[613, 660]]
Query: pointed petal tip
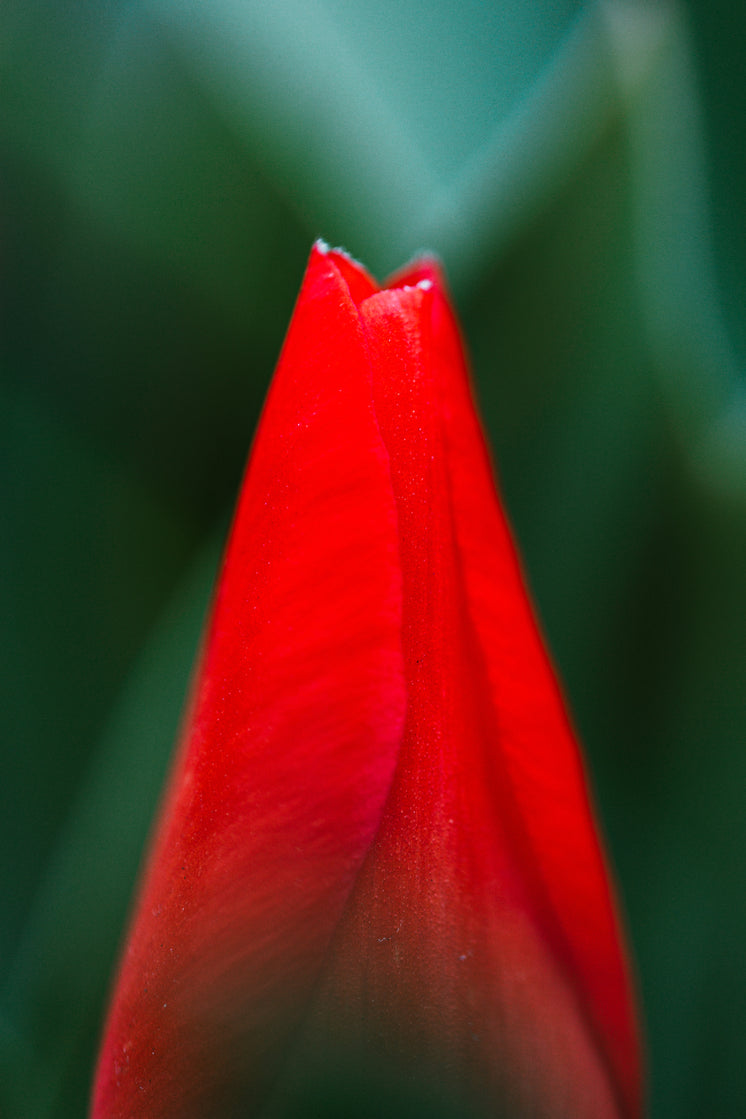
[[339, 255], [359, 281], [326, 263], [425, 271], [425, 267]]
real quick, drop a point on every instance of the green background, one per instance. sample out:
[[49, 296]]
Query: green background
[[164, 167]]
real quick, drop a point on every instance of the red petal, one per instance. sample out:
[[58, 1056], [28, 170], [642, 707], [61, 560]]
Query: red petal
[[290, 748], [557, 835], [480, 945], [443, 871]]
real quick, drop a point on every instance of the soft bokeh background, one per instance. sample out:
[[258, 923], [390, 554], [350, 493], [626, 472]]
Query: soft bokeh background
[[164, 167]]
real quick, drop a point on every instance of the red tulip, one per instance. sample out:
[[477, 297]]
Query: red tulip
[[377, 844]]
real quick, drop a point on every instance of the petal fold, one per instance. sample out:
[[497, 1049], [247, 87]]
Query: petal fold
[[479, 949]]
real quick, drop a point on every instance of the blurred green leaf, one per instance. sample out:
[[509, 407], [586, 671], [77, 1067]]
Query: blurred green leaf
[[52, 1000], [87, 554]]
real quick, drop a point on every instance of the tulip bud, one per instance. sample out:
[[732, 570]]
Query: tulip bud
[[376, 857]]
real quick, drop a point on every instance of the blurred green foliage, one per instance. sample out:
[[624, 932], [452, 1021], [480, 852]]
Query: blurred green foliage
[[164, 166]]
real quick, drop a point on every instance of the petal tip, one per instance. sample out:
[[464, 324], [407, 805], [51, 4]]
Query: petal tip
[[359, 281]]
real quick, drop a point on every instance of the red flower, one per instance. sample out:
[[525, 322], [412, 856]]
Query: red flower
[[377, 838]]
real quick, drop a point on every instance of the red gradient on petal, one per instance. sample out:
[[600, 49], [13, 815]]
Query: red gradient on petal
[[480, 947], [540, 761], [290, 749], [378, 837]]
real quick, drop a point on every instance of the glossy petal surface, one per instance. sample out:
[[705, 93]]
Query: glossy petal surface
[[378, 838]]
